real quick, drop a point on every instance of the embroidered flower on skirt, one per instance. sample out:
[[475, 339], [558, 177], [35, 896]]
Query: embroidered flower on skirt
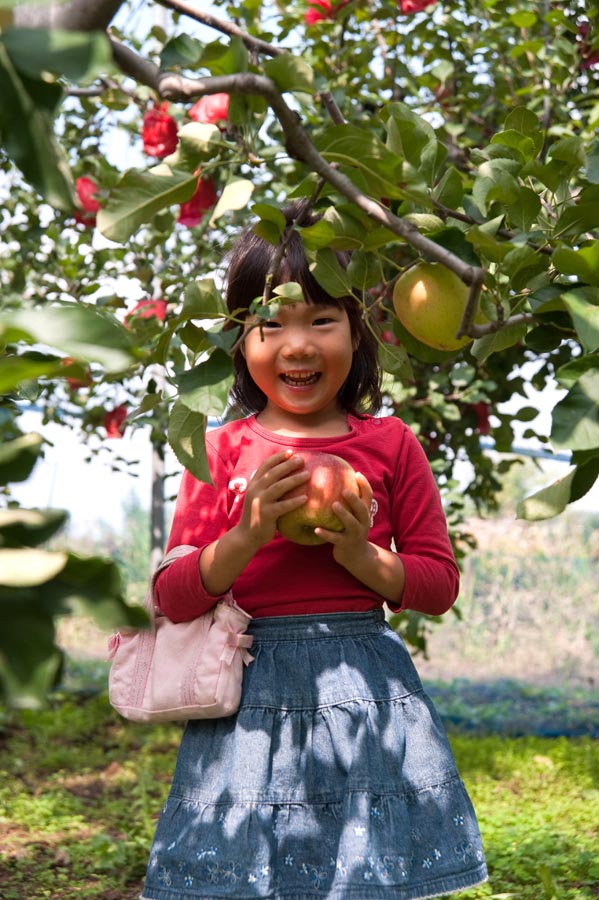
[[335, 779]]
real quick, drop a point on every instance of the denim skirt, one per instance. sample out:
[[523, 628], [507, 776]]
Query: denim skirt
[[334, 779]]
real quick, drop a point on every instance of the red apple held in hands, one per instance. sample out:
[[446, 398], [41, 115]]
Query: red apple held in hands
[[329, 476]]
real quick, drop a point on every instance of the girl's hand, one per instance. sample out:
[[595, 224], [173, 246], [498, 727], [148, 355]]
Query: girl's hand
[[264, 503], [351, 544]]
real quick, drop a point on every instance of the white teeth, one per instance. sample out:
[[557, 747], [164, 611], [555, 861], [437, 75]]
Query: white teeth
[[300, 378]]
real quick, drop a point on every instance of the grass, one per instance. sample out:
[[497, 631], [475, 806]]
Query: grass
[[81, 790]]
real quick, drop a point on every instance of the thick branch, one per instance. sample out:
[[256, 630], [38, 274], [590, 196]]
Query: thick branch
[[77, 15], [478, 331], [137, 67]]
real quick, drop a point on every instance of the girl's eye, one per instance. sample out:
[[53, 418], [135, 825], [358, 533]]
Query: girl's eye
[[323, 320], [270, 323]]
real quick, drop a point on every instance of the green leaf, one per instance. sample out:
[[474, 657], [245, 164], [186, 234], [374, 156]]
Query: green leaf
[[593, 163], [569, 150], [76, 330], [548, 502], [138, 196], [18, 457], [198, 142], [524, 210], [236, 195], [526, 413], [577, 219], [79, 56], [27, 135], [15, 370], [410, 136], [271, 216], [28, 568], [571, 372], [521, 264], [585, 477], [182, 50], [425, 222], [394, 359], [29, 659], [330, 274], [193, 337], [30, 527], [290, 73], [186, 435], [365, 270], [524, 144], [290, 291], [454, 240], [584, 262], [202, 300], [205, 388], [349, 232], [553, 499], [498, 341], [358, 148], [317, 236], [450, 189], [92, 586], [495, 181], [526, 122], [222, 338], [225, 59], [268, 231], [583, 305], [30, 662], [523, 18], [575, 419]]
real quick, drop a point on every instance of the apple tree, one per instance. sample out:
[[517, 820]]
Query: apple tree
[[136, 140]]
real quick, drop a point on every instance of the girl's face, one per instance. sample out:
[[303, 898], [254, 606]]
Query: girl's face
[[300, 359]]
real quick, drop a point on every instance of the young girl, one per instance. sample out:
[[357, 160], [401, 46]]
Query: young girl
[[335, 778]]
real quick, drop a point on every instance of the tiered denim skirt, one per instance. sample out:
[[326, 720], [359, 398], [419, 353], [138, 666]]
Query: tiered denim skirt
[[334, 780]]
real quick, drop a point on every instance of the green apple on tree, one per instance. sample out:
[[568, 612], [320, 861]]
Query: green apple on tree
[[429, 301], [330, 475]]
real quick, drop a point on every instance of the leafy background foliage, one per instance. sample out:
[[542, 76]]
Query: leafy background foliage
[[463, 133]]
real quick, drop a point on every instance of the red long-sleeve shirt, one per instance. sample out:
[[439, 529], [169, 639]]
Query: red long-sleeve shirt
[[285, 578]]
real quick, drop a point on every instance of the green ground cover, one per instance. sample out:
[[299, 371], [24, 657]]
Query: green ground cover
[[80, 790]]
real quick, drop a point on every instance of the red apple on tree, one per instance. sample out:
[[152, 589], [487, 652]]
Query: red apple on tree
[[330, 475]]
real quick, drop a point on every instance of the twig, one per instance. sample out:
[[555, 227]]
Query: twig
[[221, 25]]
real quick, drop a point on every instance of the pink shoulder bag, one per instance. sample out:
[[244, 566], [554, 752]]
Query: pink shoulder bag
[[177, 671]]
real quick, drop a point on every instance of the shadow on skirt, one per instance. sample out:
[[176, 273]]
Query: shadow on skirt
[[335, 779]]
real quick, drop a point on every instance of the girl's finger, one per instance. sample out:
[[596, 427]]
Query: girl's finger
[[283, 485]]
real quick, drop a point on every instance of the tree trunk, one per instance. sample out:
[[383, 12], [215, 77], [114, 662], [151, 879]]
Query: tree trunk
[[157, 525]]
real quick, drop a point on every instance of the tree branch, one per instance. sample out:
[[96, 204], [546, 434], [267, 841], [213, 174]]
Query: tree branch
[[221, 25], [77, 15]]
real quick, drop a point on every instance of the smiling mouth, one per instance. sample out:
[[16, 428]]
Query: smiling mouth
[[299, 379]]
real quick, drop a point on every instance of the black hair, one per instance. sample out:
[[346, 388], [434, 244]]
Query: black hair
[[250, 262]]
